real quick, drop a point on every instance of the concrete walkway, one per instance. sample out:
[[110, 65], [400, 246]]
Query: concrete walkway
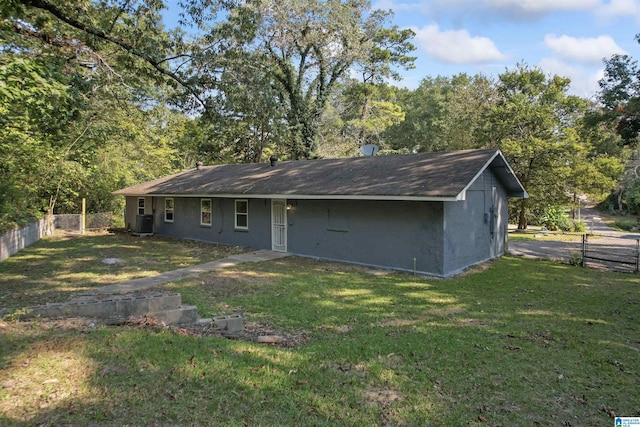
[[172, 276]]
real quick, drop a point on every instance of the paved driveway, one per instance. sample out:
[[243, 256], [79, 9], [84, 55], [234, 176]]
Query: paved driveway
[[605, 243]]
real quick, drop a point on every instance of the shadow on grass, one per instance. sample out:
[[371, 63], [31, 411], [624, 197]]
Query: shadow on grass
[[53, 269], [521, 343]]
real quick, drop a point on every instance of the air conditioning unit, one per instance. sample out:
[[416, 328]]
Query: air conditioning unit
[[144, 224]]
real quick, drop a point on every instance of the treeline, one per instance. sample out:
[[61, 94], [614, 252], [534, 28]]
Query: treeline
[[99, 95]]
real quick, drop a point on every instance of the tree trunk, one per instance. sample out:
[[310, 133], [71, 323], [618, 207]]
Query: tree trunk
[[620, 200], [364, 115], [522, 217]]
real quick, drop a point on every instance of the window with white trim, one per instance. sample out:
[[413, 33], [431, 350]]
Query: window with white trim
[[205, 212], [242, 215], [140, 205], [168, 210]]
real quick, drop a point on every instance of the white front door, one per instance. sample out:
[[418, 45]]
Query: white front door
[[279, 225]]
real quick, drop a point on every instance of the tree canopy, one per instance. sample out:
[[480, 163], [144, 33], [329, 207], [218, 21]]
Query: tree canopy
[[98, 95]]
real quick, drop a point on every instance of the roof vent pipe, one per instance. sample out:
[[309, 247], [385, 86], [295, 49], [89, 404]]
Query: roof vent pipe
[[198, 165], [273, 160]]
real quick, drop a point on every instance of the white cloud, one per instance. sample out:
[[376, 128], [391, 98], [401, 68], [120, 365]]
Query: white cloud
[[456, 46], [516, 9], [588, 50], [541, 6], [614, 8], [584, 80]]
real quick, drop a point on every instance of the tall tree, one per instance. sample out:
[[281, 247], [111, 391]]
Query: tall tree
[[38, 106], [67, 98], [620, 98], [534, 122], [620, 94], [308, 46], [443, 113], [109, 36]]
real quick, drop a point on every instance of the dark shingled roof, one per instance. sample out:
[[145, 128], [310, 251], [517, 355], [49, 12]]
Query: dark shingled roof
[[428, 176]]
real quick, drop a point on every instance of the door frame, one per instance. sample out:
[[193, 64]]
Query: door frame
[[283, 204]]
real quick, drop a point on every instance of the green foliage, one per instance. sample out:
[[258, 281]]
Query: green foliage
[[306, 48], [575, 258], [578, 226], [443, 113], [626, 224], [620, 94], [554, 217], [537, 125], [75, 116], [632, 198], [39, 105]]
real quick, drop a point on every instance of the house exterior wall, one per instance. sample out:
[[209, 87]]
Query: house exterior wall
[[131, 210], [442, 237], [476, 228], [377, 233], [186, 221]]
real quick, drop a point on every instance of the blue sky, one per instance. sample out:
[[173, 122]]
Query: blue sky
[[565, 37]]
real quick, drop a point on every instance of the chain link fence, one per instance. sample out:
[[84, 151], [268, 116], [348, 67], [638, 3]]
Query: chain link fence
[[72, 223], [611, 252]]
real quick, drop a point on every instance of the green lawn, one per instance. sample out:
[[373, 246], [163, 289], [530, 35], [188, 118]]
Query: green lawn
[[58, 267], [516, 343]]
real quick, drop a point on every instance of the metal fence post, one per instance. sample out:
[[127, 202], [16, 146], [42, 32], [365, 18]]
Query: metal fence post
[[584, 248], [637, 255]]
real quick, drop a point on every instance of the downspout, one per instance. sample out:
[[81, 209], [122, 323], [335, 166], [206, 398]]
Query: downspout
[[153, 211]]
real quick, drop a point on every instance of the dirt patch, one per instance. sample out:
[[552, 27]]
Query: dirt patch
[[336, 267], [446, 311], [251, 331], [397, 322], [478, 268], [382, 396]]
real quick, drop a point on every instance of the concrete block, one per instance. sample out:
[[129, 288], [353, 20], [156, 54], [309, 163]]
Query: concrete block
[[220, 322], [232, 324], [158, 303], [182, 315], [235, 324], [118, 307]]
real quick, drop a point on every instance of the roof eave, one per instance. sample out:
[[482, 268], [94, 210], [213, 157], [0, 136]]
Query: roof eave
[[305, 196], [517, 190]]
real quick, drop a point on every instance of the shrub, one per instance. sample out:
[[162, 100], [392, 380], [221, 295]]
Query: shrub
[[555, 218], [575, 258], [626, 224], [571, 225], [579, 225]]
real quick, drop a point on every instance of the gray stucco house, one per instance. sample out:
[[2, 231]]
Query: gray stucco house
[[434, 213]]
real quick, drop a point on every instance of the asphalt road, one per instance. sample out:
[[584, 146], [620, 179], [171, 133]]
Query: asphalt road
[[605, 243]]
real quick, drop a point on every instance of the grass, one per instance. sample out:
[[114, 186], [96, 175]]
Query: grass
[[625, 224], [551, 236], [58, 267], [518, 342]]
